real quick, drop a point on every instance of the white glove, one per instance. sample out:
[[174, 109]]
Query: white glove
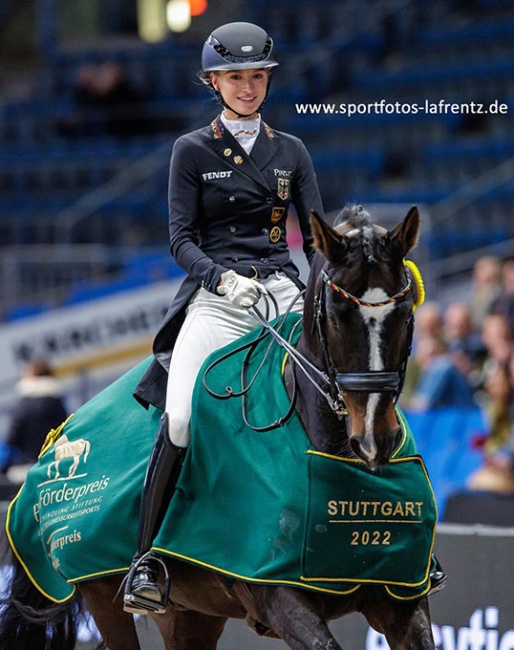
[[241, 291]]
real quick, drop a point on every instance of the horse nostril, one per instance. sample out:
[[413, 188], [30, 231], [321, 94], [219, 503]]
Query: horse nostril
[[355, 446], [366, 450], [376, 452]]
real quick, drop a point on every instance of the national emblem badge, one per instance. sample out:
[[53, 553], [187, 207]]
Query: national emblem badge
[[283, 188]]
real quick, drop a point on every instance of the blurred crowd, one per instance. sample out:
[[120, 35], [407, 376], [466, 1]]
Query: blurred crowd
[[107, 101], [463, 356]]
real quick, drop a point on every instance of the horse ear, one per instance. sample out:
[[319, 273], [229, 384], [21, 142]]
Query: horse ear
[[326, 239], [406, 233]]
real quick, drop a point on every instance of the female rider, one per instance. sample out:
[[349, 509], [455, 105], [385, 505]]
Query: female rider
[[230, 188]]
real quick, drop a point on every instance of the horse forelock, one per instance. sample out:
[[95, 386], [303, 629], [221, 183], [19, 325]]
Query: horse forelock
[[353, 216], [365, 271], [366, 239], [367, 251], [369, 260]]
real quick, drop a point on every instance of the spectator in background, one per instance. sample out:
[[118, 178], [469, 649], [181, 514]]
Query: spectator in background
[[107, 103], [499, 345], [504, 303], [497, 339], [463, 341], [441, 383], [428, 325], [429, 321], [497, 472], [497, 407], [485, 289], [40, 409]]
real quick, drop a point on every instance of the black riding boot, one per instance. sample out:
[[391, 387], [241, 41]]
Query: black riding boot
[[438, 577], [142, 593]]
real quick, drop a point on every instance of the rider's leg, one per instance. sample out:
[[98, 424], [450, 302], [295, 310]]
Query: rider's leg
[[206, 328], [142, 592], [211, 322]]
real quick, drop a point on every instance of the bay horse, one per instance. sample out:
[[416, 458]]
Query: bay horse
[[357, 326]]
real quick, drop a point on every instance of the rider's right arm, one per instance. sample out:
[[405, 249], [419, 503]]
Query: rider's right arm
[[184, 200]]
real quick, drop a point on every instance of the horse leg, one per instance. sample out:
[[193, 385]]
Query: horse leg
[[49, 472], [406, 625], [74, 465], [116, 626], [188, 630], [295, 616]]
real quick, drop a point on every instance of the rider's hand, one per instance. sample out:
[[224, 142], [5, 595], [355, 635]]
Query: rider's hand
[[241, 291]]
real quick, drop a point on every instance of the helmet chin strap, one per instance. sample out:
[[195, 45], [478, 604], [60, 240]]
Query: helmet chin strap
[[239, 115]]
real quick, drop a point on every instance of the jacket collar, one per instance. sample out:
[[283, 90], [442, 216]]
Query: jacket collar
[[264, 149]]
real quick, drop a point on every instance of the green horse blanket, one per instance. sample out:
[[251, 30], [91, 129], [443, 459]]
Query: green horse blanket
[[261, 507]]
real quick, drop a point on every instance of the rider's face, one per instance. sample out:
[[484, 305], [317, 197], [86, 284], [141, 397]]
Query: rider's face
[[242, 90]]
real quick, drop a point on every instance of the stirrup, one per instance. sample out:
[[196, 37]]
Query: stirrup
[[134, 604]]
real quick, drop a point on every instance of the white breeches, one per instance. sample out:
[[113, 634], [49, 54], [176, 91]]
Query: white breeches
[[211, 323]]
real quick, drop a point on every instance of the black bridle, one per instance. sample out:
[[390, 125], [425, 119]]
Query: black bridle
[[370, 381]]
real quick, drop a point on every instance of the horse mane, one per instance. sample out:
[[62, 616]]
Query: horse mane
[[355, 217]]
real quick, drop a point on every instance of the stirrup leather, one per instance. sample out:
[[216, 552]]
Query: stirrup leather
[[136, 604]]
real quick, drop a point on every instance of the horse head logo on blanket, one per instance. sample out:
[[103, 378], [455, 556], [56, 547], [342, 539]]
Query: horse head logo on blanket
[[64, 449]]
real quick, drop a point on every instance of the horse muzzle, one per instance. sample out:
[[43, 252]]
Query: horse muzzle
[[375, 452], [372, 426]]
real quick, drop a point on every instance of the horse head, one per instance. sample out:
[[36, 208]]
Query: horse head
[[358, 323]]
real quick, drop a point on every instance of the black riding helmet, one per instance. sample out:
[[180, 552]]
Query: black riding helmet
[[237, 46]]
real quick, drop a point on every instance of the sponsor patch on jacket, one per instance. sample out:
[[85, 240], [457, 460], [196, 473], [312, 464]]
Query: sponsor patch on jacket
[[209, 176]]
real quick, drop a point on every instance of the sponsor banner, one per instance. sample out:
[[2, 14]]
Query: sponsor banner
[[110, 330]]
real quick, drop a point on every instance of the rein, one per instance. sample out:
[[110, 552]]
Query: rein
[[329, 384], [246, 386]]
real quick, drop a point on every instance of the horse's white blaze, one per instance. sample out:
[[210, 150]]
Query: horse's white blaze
[[374, 319], [371, 408]]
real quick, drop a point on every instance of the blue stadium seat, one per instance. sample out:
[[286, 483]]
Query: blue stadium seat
[[445, 439]]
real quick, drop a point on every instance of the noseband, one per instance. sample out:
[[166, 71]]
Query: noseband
[[371, 381]]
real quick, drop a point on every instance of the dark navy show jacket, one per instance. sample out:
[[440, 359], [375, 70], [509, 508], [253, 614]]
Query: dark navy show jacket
[[228, 210]]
